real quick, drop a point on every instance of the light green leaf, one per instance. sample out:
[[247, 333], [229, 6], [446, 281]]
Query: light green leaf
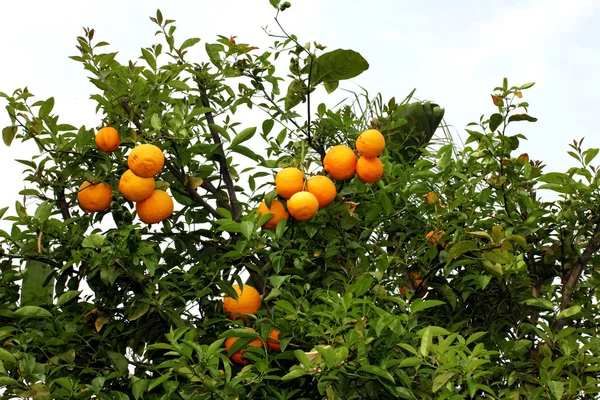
[[156, 122], [461, 248], [419, 305], [441, 380], [426, 341], [93, 241], [6, 356], [569, 312], [247, 229], [557, 389], [189, 43], [540, 303], [8, 134], [32, 312], [293, 374]]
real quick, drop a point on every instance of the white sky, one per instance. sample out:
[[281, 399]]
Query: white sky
[[453, 52]]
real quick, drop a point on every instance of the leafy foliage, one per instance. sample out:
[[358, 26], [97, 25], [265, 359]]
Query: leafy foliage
[[101, 305]]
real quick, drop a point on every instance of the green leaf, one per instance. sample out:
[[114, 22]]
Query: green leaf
[[243, 136], [286, 306], [540, 303], [461, 248], [337, 65], [93, 241], [149, 58], [380, 372], [247, 229], [441, 380], [155, 382], [419, 305], [189, 43], [557, 389], [267, 125], [119, 362], [156, 122], [552, 177], [474, 337], [8, 134], [32, 312], [589, 155], [330, 86], [521, 117], [213, 50], [67, 296], [5, 381], [44, 210], [6, 356], [426, 341], [46, 107], [410, 362], [137, 310], [569, 312], [495, 121], [293, 374]]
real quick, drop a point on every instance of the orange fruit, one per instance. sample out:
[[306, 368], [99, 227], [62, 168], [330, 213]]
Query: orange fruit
[[433, 237], [108, 139], [370, 143], [289, 181], [415, 280], [135, 188], [273, 340], [323, 189], [277, 209], [340, 162], [369, 169], [94, 197], [146, 160], [237, 357], [248, 301], [156, 208], [303, 205]]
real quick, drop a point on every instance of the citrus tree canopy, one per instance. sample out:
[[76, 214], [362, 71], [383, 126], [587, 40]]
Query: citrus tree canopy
[[217, 235]]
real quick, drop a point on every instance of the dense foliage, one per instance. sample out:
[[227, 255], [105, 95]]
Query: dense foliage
[[102, 305]]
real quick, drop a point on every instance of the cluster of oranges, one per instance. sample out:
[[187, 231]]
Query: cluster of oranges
[[306, 196], [137, 184], [248, 302]]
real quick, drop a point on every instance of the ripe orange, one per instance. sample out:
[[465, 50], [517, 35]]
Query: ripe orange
[[277, 209], [303, 205], [289, 181], [237, 357], [135, 188], [157, 207], [415, 280], [323, 189], [370, 143], [94, 197], [273, 340], [146, 160], [434, 237], [369, 169], [340, 162], [248, 301], [108, 139]]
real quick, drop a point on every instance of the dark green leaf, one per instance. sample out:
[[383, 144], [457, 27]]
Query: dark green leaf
[[189, 43], [67, 296], [461, 248], [337, 65], [495, 121], [380, 372], [521, 117], [119, 362], [243, 136]]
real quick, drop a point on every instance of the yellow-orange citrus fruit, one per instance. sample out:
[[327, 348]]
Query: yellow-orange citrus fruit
[[323, 189], [431, 198], [433, 237], [340, 162], [135, 188], [108, 139], [370, 143], [156, 208], [146, 160], [277, 209], [303, 205], [289, 181], [415, 280], [273, 340], [237, 357], [248, 301], [369, 169], [94, 197]]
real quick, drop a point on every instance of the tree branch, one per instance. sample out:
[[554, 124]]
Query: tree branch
[[574, 273], [221, 159]]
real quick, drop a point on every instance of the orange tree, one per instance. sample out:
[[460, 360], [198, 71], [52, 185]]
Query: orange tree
[[449, 277]]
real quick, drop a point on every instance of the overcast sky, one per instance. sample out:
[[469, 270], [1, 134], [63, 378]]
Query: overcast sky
[[452, 52]]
